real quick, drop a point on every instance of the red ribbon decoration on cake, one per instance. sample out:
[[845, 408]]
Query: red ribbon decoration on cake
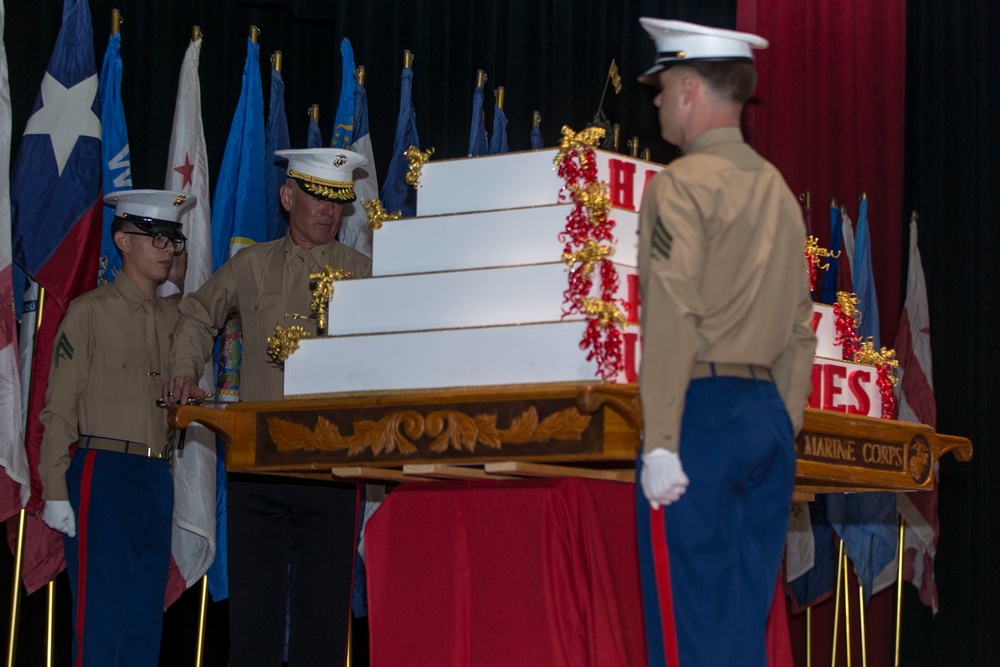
[[587, 226]]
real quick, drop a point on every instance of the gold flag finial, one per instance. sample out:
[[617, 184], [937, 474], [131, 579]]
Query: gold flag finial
[[500, 95], [633, 146], [359, 74], [116, 21], [864, 196], [536, 119], [407, 59], [480, 78], [914, 217], [195, 33], [647, 155], [616, 135], [314, 113], [276, 61], [254, 33]]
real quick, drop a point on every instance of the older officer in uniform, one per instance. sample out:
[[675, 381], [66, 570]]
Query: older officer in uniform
[[274, 522], [112, 496], [726, 362]]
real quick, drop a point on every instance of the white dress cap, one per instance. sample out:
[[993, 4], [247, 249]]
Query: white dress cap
[[151, 207], [325, 173], [679, 42]]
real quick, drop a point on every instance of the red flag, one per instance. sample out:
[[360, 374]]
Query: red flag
[[916, 404]]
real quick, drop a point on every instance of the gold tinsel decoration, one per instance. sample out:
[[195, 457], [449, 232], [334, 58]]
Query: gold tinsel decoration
[[596, 197], [606, 312], [285, 341], [579, 142], [376, 214], [848, 303], [590, 255], [322, 290], [817, 254], [417, 158], [867, 355]]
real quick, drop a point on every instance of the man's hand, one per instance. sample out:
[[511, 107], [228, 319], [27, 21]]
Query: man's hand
[[663, 479], [179, 389], [58, 515]]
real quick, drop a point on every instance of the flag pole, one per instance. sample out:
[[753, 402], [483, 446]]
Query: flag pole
[[616, 136], [899, 573], [407, 59], [847, 613], [499, 92], [314, 113], [647, 155], [359, 74], [254, 33], [195, 33], [202, 616], [809, 636], [276, 61], [15, 596], [836, 605], [116, 21], [861, 623], [480, 78], [633, 146]]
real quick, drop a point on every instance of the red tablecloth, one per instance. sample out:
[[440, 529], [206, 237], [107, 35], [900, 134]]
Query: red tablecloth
[[537, 572], [534, 572]]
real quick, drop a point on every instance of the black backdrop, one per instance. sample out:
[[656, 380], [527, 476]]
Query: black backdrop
[[552, 55]]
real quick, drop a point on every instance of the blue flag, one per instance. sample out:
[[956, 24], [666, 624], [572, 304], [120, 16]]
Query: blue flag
[[354, 231], [864, 281], [239, 205], [477, 133], [815, 585], [536, 138], [866, 522], [498, 142], [117, 172], [829, 294], [314, 139], [396, 194], [343, 122], [277, 139]]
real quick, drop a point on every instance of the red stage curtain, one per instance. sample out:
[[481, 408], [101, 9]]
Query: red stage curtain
[[829, 114]]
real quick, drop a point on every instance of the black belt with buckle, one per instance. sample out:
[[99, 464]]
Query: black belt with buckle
[[121, 446]]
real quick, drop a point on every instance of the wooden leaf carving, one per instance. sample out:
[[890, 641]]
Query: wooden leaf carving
[[328, 435], [522, 428], [566, 424], [289, 436]]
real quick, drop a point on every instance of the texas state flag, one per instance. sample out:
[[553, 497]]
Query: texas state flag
[[56, 210]]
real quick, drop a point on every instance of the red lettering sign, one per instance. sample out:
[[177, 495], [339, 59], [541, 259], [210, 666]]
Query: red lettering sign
[[832, 390], [817, 316], [633, 300], [817, 387], [855, 382], [630, 340], [622, 184]]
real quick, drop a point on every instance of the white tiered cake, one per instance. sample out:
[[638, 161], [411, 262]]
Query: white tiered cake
[[470, 292]]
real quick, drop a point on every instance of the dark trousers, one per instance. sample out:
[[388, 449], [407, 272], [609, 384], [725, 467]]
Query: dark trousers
[[291, 547], [118, 561], [725, 536]]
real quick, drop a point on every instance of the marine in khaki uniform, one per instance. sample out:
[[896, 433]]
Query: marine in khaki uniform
[[103, 462], [726, 360], [277, 524]]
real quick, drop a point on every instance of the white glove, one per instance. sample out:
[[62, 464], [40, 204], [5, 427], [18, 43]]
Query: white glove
[[58, 515], [663, 479]]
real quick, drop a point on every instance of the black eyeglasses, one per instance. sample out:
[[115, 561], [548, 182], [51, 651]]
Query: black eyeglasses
[[160, 241]]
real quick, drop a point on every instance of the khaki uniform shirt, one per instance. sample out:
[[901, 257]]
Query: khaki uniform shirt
[[99, 380], [723, 278], [267, 283]]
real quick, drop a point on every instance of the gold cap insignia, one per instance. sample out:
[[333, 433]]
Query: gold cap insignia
[[180, 199], [340, 160]]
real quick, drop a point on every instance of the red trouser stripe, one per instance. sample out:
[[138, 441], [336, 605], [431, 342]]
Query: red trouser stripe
[[661, 569], [81, 533], [354, 561]]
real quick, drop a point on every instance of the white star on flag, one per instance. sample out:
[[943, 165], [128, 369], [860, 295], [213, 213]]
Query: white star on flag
[[66, 115]]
